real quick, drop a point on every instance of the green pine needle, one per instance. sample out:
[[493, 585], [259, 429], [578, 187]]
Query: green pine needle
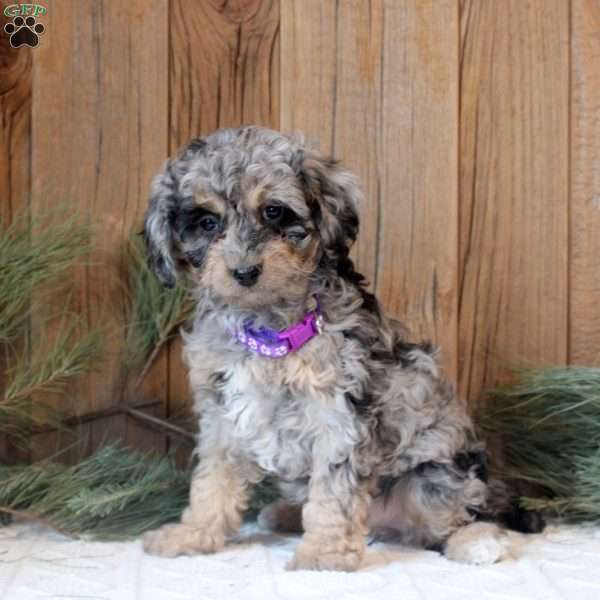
[[155, 311], [69, 355], [116, 493], [46, 369], [33, 254], [549, 424]]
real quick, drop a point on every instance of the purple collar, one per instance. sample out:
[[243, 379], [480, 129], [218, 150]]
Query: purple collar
[[276, 344]]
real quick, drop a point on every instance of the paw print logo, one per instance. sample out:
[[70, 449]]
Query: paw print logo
[[24, 32]]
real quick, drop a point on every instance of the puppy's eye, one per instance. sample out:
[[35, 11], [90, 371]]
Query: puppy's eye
[[272, 213], [209, 223]]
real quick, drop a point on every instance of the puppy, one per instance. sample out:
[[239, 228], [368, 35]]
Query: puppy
[[297, 374]]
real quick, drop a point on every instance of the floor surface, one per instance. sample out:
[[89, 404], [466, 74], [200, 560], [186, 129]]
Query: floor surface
[[561, 563]]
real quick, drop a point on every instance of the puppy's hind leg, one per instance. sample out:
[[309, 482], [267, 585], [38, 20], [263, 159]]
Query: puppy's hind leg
[[435, 506], [285, 515], [478, 543], [281, 516]]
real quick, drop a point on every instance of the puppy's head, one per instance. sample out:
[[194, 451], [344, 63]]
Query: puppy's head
[[251, 215]]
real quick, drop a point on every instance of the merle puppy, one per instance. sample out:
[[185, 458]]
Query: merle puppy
[[297, 374]]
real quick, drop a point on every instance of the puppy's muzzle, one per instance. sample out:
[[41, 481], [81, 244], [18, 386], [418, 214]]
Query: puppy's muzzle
[[247, 276]]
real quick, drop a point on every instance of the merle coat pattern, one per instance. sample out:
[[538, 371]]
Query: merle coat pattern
[[359, 426]]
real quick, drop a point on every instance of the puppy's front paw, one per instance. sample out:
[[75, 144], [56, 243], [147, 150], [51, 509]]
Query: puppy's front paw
[[314, 558], [175, 539]]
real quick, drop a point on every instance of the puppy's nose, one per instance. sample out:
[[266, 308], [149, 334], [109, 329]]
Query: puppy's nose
[[247, 276]]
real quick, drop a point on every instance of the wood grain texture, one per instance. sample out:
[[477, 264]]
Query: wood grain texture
[[224, 66], [224, 72], [331, 91], [376, 84], [100, 106], [454, 113], [584, 267], [514, 141], [15, 145], [15, 124], [418, 237]]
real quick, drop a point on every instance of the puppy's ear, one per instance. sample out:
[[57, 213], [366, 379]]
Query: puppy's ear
[[334, 198], [157, 226]]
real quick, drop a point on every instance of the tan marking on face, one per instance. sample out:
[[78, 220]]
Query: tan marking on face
[[211, 202], [285, 274], [254, 198]]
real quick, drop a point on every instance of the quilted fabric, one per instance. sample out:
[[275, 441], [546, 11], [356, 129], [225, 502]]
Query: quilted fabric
[[562, 563]]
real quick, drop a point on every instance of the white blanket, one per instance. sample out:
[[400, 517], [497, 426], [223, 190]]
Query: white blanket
[[561, 563]]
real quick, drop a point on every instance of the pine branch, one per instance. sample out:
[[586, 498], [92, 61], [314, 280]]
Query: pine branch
[[115, 493], [90, 417], [161, 425], [155, 312], [149, 362], [549, 424], [69, 356], [35, 253]]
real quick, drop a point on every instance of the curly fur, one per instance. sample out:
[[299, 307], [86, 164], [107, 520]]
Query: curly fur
[[359, 425]]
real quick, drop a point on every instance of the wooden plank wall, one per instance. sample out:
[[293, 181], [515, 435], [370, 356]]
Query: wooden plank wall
[[15, 148], [99, 134], [514, 196], [351, 78], [584, 207], [473, 124]]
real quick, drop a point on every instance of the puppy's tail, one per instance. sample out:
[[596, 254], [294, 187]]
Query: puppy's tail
[[504, 508], [520, 519], [503, 505]]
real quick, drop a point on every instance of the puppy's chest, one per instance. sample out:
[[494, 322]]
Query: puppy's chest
[[280, 424]]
